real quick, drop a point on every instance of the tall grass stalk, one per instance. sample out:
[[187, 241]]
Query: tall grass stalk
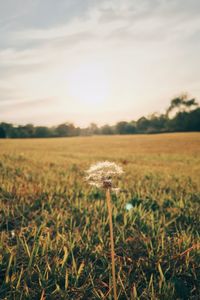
[[109, 205]]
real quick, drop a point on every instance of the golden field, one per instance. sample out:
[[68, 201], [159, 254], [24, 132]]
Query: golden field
[[54, 241]]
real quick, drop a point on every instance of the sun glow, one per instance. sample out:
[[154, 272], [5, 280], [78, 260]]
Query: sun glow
[[88, 84]]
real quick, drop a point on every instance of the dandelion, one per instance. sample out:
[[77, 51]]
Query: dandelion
[[101, 175]]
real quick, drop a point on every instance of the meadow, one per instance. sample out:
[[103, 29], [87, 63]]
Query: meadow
[[54, 231]]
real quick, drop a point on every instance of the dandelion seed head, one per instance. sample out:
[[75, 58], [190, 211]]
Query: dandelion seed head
[[102, 173]]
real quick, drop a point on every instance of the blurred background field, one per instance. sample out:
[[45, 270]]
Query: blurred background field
[[54, 234]]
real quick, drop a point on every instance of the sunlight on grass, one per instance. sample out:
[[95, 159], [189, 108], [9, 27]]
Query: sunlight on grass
[[54, 228]]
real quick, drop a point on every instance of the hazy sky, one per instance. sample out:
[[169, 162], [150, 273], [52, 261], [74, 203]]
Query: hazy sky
[[96, 60]]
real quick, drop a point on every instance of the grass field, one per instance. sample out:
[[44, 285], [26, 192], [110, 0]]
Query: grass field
[[54, 232]]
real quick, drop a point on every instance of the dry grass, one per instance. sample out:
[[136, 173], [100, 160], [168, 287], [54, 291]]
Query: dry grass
[[54, 240]]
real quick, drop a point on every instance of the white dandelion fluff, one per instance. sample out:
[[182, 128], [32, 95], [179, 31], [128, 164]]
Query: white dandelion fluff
[[102, 174]]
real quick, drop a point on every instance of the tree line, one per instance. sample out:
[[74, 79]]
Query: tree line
[[183, 114]]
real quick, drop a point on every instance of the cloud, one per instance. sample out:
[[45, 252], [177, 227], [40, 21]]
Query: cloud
[[7, 94], [152, 21], [22, 103], [43, 48], [113, 20], [145, 45]]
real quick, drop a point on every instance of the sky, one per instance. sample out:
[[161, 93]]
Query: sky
[[103, 61]]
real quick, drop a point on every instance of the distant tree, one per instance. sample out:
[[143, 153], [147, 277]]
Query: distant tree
[[22, 132], [193, 120], [62, 130], [157, 123], [189, 104], [66, 129], [175, 103], [77, 131], [2, 133], [30, 129], [42, 132], [125, 128], [83, 131], [181, 103], [142, 124], [52, 131], [106, 129], [93, 129], [186, 121], [130, 128], [8, 128]]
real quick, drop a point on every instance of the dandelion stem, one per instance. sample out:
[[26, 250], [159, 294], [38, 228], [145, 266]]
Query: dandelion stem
[[108, 198]]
